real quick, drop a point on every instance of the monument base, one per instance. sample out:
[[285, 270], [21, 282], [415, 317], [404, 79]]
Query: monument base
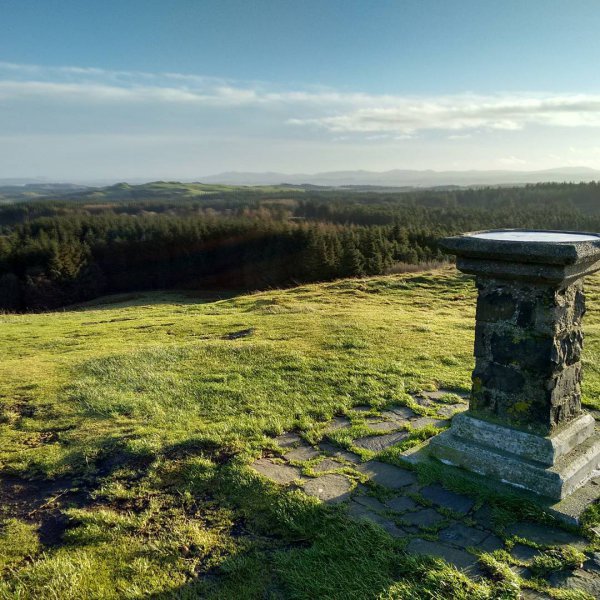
[[552, 466]]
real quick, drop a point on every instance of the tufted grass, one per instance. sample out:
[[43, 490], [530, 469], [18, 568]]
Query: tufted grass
[[145, 414]]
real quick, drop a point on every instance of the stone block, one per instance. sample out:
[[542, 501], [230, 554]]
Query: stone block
[[495, 306], [425, 421], [545, 450], [398, 413], [377, 425], [531, 353], [506, 379], [491, 543], [557, 481], [449, 410], [526, 315], [338, 423], [524, 553]]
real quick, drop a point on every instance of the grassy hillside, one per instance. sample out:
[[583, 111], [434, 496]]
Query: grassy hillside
[[123, 192], [127, 427]]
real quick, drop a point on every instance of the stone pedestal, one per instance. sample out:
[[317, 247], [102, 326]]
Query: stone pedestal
[[525, 425]]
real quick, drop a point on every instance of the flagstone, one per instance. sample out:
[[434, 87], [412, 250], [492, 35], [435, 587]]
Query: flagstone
[[276, 472], [387, 475], [401, 504], [289, 439], [423, 518], [302, 453], [327, 465], [443, 497], [459, 558], [377, 443], [330, 488], [545, 535], [335, 451]]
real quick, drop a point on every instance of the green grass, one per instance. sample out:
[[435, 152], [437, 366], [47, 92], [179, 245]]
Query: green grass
[[136, 418]]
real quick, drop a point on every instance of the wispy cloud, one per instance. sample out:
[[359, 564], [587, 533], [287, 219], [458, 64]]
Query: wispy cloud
[[332, 111], [465, 112]]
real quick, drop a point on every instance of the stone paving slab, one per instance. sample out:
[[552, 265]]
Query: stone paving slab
[[577, 580], [331, 488], [422, 401], [370, 502], [484, 515], [461, 559], [442, 497], [302, 453], [462, 535], [377, 443], [423, 518], [491, 544], [398, 413], [327, 464], [546, 535], [402, 504], [335, 451], [387, 475], [358, 511], [288, 440], [454, 537], [276, 472], [338, 423], [385, 425], [524, 553]]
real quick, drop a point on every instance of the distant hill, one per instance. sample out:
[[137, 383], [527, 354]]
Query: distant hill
[[26, 190], [407, 178], [122, 192]]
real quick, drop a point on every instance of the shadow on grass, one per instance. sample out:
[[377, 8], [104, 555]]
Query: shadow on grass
[[146, 297]]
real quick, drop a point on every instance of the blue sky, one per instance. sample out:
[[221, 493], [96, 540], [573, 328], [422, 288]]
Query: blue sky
[[181, 89]]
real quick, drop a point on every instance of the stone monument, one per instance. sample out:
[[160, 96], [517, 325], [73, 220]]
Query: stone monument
[[525, 425]]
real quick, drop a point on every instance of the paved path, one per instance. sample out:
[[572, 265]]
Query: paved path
[[431, 519]]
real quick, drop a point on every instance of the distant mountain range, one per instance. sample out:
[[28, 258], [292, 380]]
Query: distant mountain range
[[407, 178], [396, 179]]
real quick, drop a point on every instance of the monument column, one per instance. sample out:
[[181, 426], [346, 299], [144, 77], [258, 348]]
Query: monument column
[[525, 425]]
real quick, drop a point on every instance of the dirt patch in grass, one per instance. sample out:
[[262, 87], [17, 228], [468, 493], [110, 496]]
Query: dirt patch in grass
[[41, 503]]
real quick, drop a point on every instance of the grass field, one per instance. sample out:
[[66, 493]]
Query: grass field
[[127, 427]]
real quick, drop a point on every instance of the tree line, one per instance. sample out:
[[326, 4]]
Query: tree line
[[55, 253]]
